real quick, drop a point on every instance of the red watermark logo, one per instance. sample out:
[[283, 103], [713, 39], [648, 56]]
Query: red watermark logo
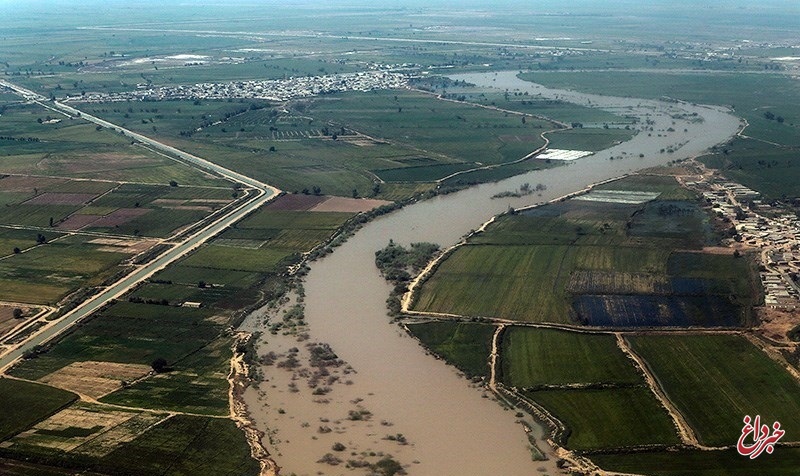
[[756, 437]]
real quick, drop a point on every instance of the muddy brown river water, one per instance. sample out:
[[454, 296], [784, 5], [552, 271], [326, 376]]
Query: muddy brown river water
[[452, 428]]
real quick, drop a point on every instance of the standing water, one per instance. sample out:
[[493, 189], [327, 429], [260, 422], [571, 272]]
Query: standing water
[[449, 424]]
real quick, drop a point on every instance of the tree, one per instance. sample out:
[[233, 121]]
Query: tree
[[17, 250], [159, 365], [355, 193], [17, 313], [51, 221], [40, 239], [316, 190], [173, 183]]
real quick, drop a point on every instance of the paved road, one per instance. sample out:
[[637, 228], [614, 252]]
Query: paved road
[[262, 191]]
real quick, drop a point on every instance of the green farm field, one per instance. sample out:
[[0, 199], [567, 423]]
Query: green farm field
[[233, 269], [143, 441], [282, 234], [129, 333], [55, 205], [591, 262], [286, 148], [76, 148], [40, 401], [197, 384], [534, 357], [11, 238], [590, 139], [239, 259], [715, 380], [44, 274], [477, 279], [609, 418], [467, 346], [185, 445], [461, 132]]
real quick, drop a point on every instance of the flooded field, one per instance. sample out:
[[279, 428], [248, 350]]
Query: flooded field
[[450, 427]]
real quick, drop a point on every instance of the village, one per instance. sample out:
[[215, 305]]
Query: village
[[275, 90], [761, 226]]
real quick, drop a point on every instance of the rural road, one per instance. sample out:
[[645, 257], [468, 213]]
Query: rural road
[[263, 192]]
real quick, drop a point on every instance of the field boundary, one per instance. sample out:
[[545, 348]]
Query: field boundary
[[685, 431]]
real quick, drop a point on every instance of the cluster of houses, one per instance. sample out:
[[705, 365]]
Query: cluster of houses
[[776, 235], [275, 90]]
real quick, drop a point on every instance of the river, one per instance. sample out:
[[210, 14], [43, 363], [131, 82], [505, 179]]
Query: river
[[450, 425]]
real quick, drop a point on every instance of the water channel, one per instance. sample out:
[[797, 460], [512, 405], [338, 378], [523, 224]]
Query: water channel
[[450, 425]]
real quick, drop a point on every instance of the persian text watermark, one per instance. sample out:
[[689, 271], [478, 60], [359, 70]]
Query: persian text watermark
[[756, 437]]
